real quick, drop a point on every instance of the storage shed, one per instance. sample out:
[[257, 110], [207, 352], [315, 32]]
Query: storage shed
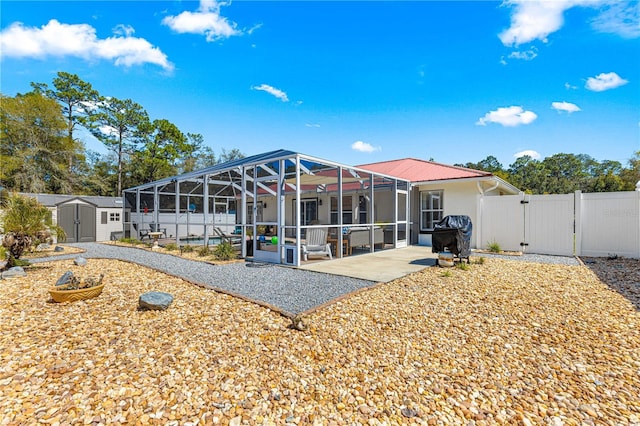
[[85, 218]]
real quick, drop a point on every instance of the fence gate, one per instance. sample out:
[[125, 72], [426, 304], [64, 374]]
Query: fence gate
[[530, 223]]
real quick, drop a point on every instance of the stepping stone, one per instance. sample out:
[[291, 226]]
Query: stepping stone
[[155, 301]]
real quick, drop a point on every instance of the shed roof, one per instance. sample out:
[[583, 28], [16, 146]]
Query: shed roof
[[52, 200]]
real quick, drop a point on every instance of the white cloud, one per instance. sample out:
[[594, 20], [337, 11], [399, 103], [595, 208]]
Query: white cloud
[[605, 81], [273, 91], [364, 147], [537, 19], [619, 17], [312, 125], [79, 40], [534, 20], [565, 106], [526, 55], [568, 86], [508, 116], [206, 21], [531, 153]]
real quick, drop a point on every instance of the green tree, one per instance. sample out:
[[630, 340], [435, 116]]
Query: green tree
[[527, 174], [118, 124], [34, 150], [566, 173], [164, 145], [631, 176], [25, 222], [231, 155], [75, 97]]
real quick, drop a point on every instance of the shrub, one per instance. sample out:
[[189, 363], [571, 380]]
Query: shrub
[[446, 274], [480, 260], [187, 248], [171, 247], [204, 251], [25, 222], [494, 247], [224, 251], [463, 266]]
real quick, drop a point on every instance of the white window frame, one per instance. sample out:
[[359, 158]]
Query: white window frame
[[430, 205]]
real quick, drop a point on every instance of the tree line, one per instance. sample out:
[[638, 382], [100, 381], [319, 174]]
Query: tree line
[[41, 151], [565, 173]]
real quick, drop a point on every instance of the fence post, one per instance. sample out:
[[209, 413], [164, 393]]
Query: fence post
[[577, 223], [638, 214]]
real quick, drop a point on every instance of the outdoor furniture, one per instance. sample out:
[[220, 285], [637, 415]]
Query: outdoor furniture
[[231, 239], [154, 227], [452, 233], [316, 243], [346, 248], [360, 236]]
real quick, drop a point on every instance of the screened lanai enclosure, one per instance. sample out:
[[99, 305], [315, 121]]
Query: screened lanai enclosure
[[269, 205]]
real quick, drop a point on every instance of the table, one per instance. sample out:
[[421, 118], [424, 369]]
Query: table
[[155, 236], [346, 250]]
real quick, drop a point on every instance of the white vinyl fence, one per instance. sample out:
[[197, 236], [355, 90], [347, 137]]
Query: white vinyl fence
[[598, 224]]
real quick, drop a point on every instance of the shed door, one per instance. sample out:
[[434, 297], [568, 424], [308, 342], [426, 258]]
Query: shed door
[[78, 222]]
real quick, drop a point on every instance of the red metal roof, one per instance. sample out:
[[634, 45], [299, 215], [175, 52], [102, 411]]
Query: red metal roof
[[415, 170]]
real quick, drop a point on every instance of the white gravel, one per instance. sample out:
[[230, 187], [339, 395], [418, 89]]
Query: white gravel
[[290, 290]]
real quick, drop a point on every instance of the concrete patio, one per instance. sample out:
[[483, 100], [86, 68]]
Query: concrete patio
[[382, 266]]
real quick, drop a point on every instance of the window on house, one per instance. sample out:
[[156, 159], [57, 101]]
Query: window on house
[[103, 218], [347, 210], [114, 217], [431, 208]]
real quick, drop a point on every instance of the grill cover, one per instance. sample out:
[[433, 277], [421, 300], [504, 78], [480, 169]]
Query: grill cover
[[454, 234]]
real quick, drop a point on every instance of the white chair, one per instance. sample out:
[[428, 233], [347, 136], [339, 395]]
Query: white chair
[[316, 243]]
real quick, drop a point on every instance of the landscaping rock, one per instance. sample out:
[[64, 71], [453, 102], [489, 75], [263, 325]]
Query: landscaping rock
[[43, 247], [155, 301], [14, 272], [80, 261], [58, 249], [65, 278]]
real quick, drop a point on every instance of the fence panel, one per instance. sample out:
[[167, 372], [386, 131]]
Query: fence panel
[[549, 223], [610, 224], [501, 221]]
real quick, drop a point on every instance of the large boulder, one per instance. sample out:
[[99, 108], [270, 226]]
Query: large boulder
[[14, 272], [80, 261], [155, 301]]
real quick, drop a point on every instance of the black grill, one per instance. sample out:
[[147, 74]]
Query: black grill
[[452, 233]]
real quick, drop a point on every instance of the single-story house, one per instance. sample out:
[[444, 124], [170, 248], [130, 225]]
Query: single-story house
[[85, 218], [439, 190], [282, 194]]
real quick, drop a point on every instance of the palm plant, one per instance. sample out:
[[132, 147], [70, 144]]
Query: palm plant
[[25, 223]]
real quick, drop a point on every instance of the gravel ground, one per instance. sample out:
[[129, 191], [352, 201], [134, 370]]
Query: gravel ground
[[530, 257], [290, 290], [504, 342]]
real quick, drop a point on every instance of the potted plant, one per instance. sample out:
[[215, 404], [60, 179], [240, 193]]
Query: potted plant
[[77, 289]]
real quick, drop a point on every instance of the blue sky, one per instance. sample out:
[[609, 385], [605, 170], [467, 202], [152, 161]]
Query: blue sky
[[354, 82]]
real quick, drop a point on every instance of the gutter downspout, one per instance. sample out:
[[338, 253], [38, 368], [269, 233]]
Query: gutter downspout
[[482, 192]]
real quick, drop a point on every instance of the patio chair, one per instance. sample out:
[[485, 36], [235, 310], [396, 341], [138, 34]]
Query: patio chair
[[142, 233], [231, 239], [316, 243]]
